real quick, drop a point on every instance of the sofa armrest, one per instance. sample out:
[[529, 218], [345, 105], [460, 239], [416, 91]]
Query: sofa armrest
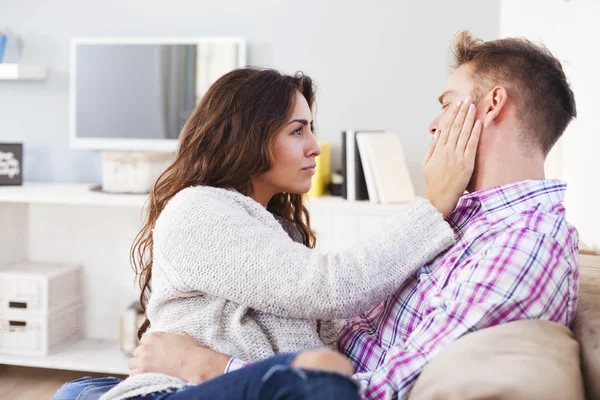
[[587, 323], [523, 360]]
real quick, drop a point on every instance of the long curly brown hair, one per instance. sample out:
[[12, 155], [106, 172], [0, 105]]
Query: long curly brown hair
[[227, 140]]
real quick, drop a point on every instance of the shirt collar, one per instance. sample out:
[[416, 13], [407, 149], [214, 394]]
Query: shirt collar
[[501, 201]]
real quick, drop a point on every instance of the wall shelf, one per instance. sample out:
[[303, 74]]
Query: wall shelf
[[80, 194], [88, 355], [23, 72], [67, 194]]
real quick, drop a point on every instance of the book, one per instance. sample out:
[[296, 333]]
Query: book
[[2, 45], [12, 46], [350, 181], [386, 168], [344, 174], [355, 186], [362, 142]]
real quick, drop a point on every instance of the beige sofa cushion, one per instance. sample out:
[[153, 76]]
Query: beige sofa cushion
[[523, 360], [587, 323]]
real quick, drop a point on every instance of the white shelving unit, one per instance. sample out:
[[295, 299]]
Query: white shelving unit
[[23, 72], [89, 355], [69, 223]]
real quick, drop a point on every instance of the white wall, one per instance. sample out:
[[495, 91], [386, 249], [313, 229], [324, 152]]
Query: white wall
[[378, 64], [570, 30]]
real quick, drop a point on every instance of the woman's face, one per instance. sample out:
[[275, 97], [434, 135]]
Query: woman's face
[[294, 152]]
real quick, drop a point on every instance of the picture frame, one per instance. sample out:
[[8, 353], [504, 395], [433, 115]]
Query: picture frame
[[11, 164]]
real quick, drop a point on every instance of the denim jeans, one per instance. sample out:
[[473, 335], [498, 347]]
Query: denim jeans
[[272, 379]]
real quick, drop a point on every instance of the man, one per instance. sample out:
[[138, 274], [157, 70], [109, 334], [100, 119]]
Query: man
[[515, 255]]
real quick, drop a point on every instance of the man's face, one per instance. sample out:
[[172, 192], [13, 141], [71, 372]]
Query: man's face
[[458, 87]]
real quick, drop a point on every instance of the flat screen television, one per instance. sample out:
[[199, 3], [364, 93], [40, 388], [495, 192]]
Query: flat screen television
[[136, 93]]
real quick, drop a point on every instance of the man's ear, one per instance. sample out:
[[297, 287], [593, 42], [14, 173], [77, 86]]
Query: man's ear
[[494, 103]]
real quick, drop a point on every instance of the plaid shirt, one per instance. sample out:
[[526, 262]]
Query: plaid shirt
[[515, 258]]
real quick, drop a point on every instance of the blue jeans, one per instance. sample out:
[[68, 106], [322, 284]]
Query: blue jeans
[[272, 379]]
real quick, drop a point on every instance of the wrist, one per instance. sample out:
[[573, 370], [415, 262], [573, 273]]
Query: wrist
[[220, 364], [205, 364], [440, 206]]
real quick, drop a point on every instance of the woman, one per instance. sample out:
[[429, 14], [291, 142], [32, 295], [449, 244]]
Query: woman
[[227, 245]]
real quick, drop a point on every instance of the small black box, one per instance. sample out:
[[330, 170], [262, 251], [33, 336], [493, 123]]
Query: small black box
[[11, 164]]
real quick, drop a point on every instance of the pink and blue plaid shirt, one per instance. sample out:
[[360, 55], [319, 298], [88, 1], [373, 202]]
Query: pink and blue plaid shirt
[[515, 258]]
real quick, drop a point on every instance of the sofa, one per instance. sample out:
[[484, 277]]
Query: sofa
[[524, 360]]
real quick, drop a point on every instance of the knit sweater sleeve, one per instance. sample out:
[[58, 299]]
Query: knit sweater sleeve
[[224, 252]]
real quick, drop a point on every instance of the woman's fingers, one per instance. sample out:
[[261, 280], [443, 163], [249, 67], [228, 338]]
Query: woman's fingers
[[455, 131], [466, 129], [134, 363], [138, 350], [445, 129], [449, 167], [456, 125]]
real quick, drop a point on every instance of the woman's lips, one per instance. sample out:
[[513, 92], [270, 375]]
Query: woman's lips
[[310, 168]]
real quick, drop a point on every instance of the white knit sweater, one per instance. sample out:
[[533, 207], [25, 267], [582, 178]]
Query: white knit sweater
[[226, 272]]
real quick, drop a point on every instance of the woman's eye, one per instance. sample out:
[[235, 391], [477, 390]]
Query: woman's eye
[[297, 131]]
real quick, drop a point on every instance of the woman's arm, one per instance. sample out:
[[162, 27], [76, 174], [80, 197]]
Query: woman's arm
[[213, 247], [228, 254]]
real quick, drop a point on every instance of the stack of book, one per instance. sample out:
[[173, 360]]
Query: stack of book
[[11, 46], [374, 168], [2, 44]]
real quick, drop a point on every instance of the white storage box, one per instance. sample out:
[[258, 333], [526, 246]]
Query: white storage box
[[38, 287], [38, 334], [133, 171]]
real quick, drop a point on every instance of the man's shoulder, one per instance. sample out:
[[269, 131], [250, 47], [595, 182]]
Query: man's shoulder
[[526, 230], [540, 220], [534, 205], [536, 237]]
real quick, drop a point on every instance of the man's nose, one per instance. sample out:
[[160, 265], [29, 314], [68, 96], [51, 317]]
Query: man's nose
[[435, 124], [433, 127]]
